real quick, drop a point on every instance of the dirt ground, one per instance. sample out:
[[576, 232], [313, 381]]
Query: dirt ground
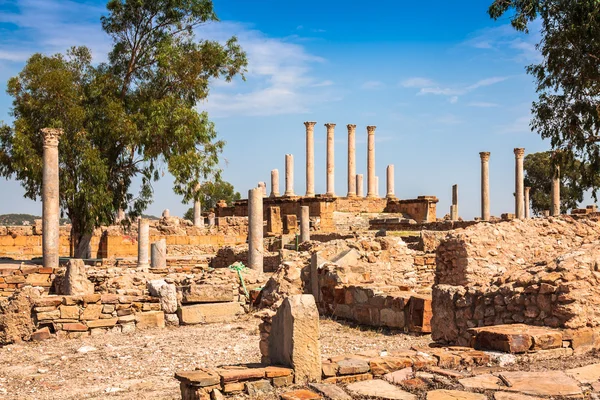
[[141, 365]]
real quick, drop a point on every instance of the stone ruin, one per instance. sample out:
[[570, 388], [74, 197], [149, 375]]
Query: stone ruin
[[484, 289]]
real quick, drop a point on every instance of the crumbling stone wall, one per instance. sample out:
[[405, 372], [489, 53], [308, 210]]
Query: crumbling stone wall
[[538, 272]]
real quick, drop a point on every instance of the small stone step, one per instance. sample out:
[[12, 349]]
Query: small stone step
[[516, 338]]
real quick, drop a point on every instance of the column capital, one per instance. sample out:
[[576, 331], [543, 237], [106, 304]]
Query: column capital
[[519, 152], [351, 128], [485, 155], [310, 125], [330, 125], [371, 129], [51, 136], [527, 188]]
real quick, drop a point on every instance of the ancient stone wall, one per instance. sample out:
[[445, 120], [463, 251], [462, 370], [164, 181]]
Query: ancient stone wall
[[16, 276], [538, 272], [421, 209]]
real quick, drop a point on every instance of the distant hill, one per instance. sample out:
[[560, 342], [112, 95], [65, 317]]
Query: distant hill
[[23, 219]]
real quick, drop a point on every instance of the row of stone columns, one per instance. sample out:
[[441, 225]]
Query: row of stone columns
[[521, 192]]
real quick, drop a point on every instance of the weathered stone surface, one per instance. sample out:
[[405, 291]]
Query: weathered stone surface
[[209, 313], [102, 323], [352, 366], [397, 377], [330, 391], [200, 378], [75, 282], [348, 379], [41, 334], [207, 294], [150, 319], [482, 382], [236, 374], [275, 372], [301, 394], [383, 365], [91, 312], [167, 293], [255, 389], [505, 338], [514, 396], [74, 327], [69, 312], [379, 389], [454, 395], [585, 375], [546, 383]]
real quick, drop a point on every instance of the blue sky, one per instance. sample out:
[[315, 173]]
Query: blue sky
[[441, 82]]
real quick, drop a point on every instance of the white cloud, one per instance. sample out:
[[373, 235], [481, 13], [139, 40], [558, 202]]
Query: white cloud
[[323, 84], [482, 104], [372, 85], [417, 82], [486, 82], [453, 99]]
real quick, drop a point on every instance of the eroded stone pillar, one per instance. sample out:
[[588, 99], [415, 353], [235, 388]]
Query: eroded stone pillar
[[555, 205], [275, 183], [330, 159], [166, 213], [519, 184], [255, 229], [211, 216], [310, 158], [454, 208], [371, 184], [390, 182], [351, 160], [289, 175], [143, 242], [527, 204], [50, 197], [485, 185], [198, 220], [263, 187], [305, 224], [158, 254], [377, 186], [359, 185]]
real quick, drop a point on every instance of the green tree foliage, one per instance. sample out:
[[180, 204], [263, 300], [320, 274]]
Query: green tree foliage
[[568, 77], [210, 193], [539, 171], [133, 116]]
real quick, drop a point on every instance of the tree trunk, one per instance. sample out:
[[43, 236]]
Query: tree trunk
[[82, 247]]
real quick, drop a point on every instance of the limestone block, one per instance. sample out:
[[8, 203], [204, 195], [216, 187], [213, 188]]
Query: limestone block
[[69, 312], [167, 293], [294, 338], [150, 319], [207, 294], [75, 280], [380, 389], [209, 313], [91, 312]]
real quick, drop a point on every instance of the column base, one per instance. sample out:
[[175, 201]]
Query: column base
[[309, 195], [391, 197], [372, 196], [275, 195], [351, 195]]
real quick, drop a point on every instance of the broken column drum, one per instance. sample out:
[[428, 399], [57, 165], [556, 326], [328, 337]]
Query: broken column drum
[[158, 254], [371, 184], [255, 229], [390, 182], [305, 224], [527, 203], [555, 203], [485, 185], [454, 207], [359, 185], [289, 175], [198, 220], [310, 158], [50, 198], [519, 184], [143, 243], [275, 183]]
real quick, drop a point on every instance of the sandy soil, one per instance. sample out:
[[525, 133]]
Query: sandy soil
[[141, 365]]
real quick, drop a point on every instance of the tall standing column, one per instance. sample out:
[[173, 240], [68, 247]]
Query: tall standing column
[[305, 224], [330, 159], [519, 183], [359, 185], [454, 207], [50, 197], [310, 158], [390, 182], [527, 205], [255, 229], [371, 184], [485, 185], [351, 160], [289, 175], [198, 220], [275, 183], [143, 242], [555, 208]]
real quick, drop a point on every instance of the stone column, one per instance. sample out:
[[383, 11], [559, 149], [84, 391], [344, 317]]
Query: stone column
[[143, 242], [198, 220], [211, 216], [166, 213], [390, 182], [330, 160], [351, 160], [454, 208], [275, 183], [485, 185], [50, 197], [519, 183], [255, 229], [305, 224], [377, 187], [527, 205], [359, 185], [289, 175], [555, 200], [371, 184], [263, 187], [310, 158], [158, 254]]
